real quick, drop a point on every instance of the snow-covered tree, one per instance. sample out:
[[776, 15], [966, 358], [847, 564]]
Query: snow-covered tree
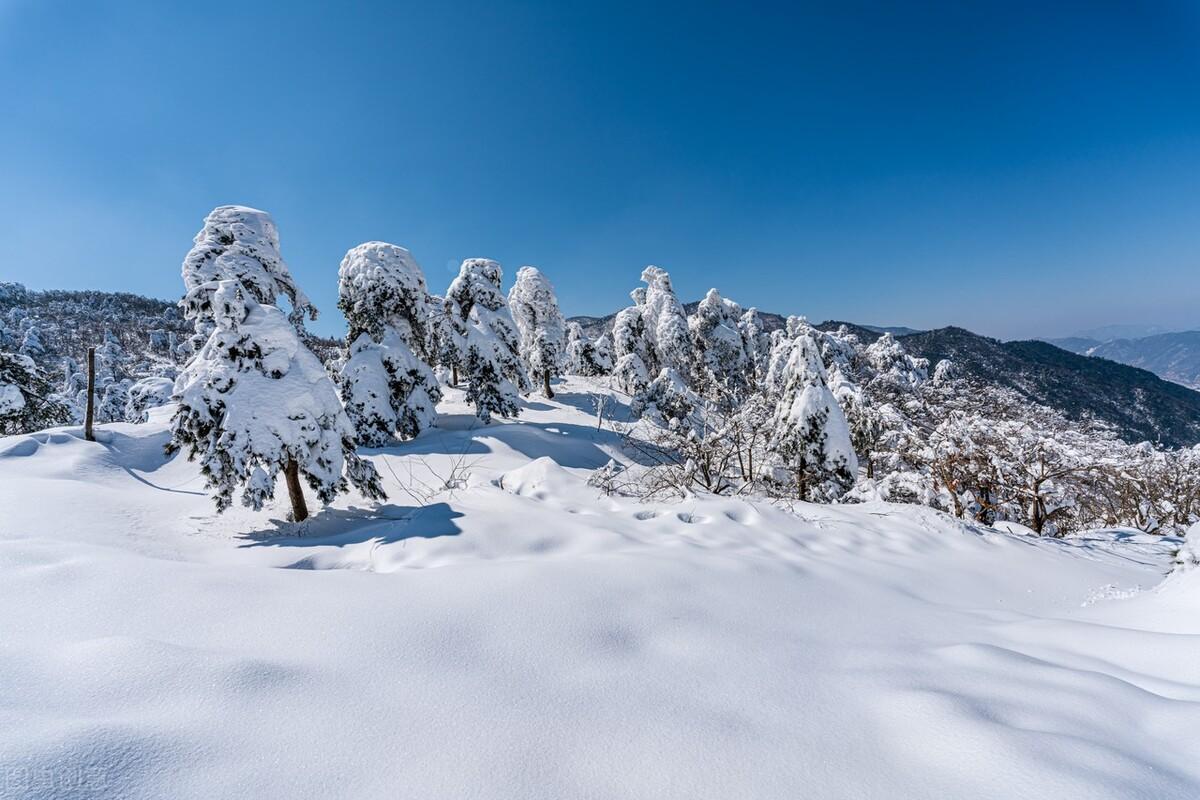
[[756, 341], [385, 378], [665, 323], [811, 437], [631, 349], [145, 394], [255, 402], [241, 244], [541, 326], [26, 397], [722, 372], [486, 340], [585, 357]]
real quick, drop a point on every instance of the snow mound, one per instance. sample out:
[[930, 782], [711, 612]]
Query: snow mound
[[539, 479]]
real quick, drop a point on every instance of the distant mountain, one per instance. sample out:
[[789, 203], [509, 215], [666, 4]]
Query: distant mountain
[[1106, 333], [1137, 402], [1174, 356], [894, 330]]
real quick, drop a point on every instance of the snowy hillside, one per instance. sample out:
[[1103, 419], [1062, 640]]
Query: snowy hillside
[[499, 628]]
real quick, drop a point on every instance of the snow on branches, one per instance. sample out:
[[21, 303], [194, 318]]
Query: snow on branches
[[254, 402], [541, 326], [386, 381]]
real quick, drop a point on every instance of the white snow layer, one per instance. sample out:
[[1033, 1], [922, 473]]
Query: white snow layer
[[519, 635]]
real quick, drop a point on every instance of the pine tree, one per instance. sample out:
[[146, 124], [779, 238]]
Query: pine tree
[[539, 322], [386, 382], [254, 401], [27, 401], [585, 357], [665, 322], [722, 372], [631, 348], [485, 340], [811, 435]]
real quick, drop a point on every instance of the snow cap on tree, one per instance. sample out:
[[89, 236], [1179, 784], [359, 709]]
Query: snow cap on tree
[[380, 285], [241, 244], [534, 309], [253, 399]]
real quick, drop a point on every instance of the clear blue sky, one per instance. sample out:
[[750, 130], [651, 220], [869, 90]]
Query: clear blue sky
[[1016, 168]]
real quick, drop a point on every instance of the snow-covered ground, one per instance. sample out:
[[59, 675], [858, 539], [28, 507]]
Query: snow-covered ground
[[523, 636]]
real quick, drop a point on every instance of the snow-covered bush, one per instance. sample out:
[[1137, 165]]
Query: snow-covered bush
[[386, 381], [539, 322], [255, 402]]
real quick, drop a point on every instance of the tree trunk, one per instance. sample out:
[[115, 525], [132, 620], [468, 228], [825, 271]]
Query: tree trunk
[[870, 468], [295, 491], [546, 383], [90, 417], [454, 374]]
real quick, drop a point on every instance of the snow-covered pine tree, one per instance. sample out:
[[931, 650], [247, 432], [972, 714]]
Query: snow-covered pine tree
[[255, 402], [782, 342], [756, 341], [486, 340], [241, 244], [386, 382], [27, 401], [665, 323], [631, 348], [145, 394], [811, 436], [534, 308], [583, 356], [445, 344], [722, 372]]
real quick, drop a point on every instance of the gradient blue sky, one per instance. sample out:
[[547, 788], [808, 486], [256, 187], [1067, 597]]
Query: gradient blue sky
[[1016, 168]]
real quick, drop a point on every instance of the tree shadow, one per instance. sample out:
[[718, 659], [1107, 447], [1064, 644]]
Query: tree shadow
[[335, 527], [615, 409]]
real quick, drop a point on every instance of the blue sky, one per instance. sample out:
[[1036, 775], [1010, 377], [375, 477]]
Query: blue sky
[[1018, 169]]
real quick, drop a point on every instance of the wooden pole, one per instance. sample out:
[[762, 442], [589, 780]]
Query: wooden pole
[[90, 417], [295, 492]]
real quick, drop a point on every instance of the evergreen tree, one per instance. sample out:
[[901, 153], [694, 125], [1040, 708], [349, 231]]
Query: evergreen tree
[[631, 348], [539, 322], [722, 372], [486, 340], [585, 357], [254, 401], [665, 323], [27, 401], [811, 437], [387, 384]]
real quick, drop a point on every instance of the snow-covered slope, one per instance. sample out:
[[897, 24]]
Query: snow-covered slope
[[520, 635]]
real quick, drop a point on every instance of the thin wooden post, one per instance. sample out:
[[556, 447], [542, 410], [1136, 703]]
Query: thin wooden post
[[90, 417]]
